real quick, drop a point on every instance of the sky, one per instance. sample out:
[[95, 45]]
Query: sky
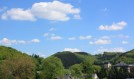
[[45, 27]]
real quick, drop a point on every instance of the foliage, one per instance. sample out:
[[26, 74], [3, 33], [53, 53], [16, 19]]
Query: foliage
[[76, 70], [52, 67], [15, 65], [127, 57], [68, 58]]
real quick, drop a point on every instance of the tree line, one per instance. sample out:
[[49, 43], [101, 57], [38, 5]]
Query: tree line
[[17, 65]]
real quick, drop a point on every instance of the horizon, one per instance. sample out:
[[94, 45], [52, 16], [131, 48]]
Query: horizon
[[45, 27]]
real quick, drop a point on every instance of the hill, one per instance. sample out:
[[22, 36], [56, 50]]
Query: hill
[[68, 58], [127, 57], [15, 64], [107, 57]]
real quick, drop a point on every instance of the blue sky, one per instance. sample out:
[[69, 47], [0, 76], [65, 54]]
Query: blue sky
[[45, 27]]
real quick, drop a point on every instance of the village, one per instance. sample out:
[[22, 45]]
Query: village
[[106, 65]]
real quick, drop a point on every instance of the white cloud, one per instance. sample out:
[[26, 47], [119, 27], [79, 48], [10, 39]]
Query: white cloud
[[52, 29], [35, 40], [72, 38], [55, 37], [105, 37], [46, 34], [124, 42], [52, 36], [116, 36], [18, 14], [105, 9], [91, 42], [6, 41], [114, 26], [77, 16], [103, 41], [56, 11], [122, 36], [118, 49], [72, 49], [21, 42], [85, 37], [100, 41]]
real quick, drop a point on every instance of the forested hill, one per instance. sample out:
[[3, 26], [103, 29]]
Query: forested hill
[[9, 53], [127, 57], [68, 58], [107, 57], [17, 65]]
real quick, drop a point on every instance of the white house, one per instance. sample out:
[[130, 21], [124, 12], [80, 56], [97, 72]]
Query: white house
[[94, 76]]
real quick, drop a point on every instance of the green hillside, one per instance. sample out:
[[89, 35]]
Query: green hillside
[[68, 58], [127, 57], [15, 64], [107, 57]]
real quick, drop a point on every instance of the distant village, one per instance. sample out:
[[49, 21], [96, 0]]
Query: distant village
[[106, 65]]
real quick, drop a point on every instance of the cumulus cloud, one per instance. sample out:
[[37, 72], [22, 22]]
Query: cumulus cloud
[[52, 36], [72, 38], [56, 11], [116, 36], [85, 37], [6, 41], [114, 26], [105, 37], [72, 49], [77, 16], [124, 42], [101, 41], [118, 49], [18, 14], [55, 37], [46, 34], [122, 36], [52, 29], [35, 40]]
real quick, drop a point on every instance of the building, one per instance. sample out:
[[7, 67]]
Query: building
[[124, 65], [94, 76], [107, 65]]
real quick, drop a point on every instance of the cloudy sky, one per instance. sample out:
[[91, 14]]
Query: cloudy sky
[[45, 27]]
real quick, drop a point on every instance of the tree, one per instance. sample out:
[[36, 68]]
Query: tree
[[20, 66], [52, 67], [87, 68], [76, 70]]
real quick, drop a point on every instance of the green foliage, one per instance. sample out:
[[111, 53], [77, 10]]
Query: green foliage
[[76, 70], [52, 67], [107, 57], [68, 58], [127, 57], [15, 65], [87, 68]]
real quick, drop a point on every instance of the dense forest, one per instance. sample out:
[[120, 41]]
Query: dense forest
[[18, 65]]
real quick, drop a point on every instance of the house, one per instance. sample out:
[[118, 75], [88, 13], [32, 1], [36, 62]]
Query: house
[[94, 76], [124, 65], [107, 65]]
